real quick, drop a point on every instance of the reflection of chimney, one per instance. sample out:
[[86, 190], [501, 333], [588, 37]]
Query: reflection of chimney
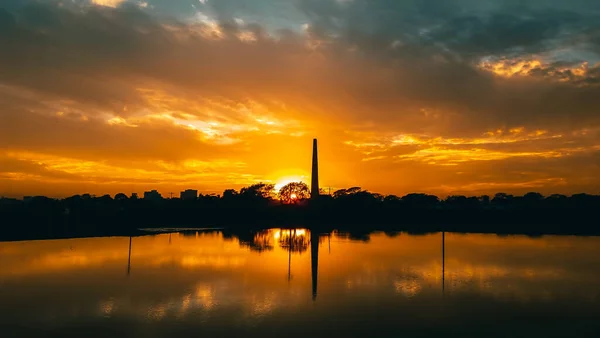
[[314, 184], [129, 258], [314, 261], [443, 261]]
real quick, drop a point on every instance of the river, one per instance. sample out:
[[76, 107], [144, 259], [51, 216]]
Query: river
[[294, 283]]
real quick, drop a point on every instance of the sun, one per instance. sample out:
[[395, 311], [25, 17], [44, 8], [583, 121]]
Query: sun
[[285, 180], [293, 196]]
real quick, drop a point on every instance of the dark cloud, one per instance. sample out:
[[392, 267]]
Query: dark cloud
[[380, 66], [100, 56]]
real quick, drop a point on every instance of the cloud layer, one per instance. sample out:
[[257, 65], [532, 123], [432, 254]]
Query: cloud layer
[[467, 96]]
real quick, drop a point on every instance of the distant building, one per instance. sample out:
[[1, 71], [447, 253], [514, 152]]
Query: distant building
[[134, 196], [189, 194], [152, 195]]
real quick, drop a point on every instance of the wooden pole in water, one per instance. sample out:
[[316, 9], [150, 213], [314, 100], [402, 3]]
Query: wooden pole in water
[[289, 263]]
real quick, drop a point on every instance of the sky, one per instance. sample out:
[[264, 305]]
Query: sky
[[443, 97]]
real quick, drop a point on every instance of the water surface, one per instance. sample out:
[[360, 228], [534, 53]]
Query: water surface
[[296, 284]]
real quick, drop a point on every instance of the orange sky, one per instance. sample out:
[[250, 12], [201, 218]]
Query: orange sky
[[123, 99]]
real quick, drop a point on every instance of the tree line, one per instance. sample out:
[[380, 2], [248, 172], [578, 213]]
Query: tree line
[[259, 205]]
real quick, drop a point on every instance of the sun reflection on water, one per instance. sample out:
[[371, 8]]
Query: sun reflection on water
[[257, 274]]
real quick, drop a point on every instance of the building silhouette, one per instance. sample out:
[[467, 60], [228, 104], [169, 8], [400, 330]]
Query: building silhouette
[[189, 194], [152, 195], [314, 185]]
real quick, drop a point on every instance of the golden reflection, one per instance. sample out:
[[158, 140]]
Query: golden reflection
[[407, 287], [186, 304], [266, 240], [202, 271], [107, 307], [294, 240], [204, 296], [260, 241], [157, 312], [263, 305]]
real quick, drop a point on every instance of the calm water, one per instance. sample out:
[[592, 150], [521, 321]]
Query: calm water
[[269, 284]]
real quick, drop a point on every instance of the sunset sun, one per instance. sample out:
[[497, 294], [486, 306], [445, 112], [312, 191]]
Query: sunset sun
[[286, 180]]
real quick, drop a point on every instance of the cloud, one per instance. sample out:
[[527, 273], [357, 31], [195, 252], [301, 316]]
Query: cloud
[[411, 81], [108, 3], [102, 56]]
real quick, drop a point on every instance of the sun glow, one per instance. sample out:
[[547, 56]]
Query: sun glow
[[286, 180]]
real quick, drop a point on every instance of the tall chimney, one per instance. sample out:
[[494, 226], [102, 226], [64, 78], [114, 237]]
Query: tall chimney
[[314, 184]]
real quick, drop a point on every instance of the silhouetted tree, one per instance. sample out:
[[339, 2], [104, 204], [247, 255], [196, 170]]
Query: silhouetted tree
[[258, 191], [557, 197], [533, 196], [294, 192], [557, 201], [484, 200], [230, 194], [420, 200], [345, 192], [354, 208], [391, 199], [104, 198], [585, 201], [210, 198], [462, 202], [323, 191], [502, 200], [532, 199], [121, 197], [73, 199]]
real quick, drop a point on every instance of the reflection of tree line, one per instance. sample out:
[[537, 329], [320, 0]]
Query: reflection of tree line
[[299, 240], [293, 240]]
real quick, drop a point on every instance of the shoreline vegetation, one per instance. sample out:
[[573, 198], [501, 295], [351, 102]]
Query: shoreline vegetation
[[257, 207]]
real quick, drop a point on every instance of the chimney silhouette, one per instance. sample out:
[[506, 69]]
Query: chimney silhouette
[[314, 184]]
